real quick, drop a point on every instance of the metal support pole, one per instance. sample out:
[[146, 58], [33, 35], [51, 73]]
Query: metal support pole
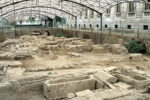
[[138, 33], [110, 31], [14, 17], [76, 22], [122, 31], [101, 22], [54, 23], [62, 17], [62, 26], [2, 20]]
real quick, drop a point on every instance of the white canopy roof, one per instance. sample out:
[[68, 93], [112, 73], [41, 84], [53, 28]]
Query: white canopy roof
[[59, 8]]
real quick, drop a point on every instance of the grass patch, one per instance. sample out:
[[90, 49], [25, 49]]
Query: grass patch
[[60, 35], [49, 73]]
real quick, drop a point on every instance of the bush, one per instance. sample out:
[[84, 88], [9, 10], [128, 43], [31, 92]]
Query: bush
[[60, 35], [2, 38], [135, 46]]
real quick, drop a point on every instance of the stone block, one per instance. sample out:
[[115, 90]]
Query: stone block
[[109, 94], [10, 64], [7, 91], [110, 69], [118, 49], [135, 57], [71, 95], [126, 79], [74, 54], [19, 55], [135, 96], [51, 38], [9, 42], [51, 43], [97, 48], [136, 81], [122, 85], [32, 83], [83, 93], [121, 41], [7, 55], [149, 89], [60, 89], [105, 77]]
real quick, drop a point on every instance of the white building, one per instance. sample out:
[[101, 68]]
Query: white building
[[127, 15]]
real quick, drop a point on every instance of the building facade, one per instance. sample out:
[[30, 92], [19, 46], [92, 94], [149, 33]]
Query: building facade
[[128, 15]]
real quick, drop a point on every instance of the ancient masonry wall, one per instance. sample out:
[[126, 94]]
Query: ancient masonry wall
[[101, 38], [97, 38]]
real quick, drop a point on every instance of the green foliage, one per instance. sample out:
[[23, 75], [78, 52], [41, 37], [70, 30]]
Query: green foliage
[[60, 35], [2, 38], [49, 73], [135, 46]]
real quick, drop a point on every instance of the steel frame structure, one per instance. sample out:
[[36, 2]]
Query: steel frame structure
[[61, 8]]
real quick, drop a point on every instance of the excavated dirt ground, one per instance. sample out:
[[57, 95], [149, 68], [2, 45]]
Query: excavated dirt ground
[[48, 55]]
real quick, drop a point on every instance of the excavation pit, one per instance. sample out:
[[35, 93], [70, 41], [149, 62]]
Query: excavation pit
[[54, 90]]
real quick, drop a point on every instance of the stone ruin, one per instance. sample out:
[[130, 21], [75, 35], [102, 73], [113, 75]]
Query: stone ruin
[[107, 84], [100, 83]]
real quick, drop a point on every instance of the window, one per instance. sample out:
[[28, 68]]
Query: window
[[98, 15], [129, 26], [116, 26], [105, 26], [132, 6], [97, 26], [147, 5], [72, 17], [69, 16], [86, 13], [92, 14], [118, 8], [145, 27], [75, 25], [108, 11], [90, 25], [81, 15]]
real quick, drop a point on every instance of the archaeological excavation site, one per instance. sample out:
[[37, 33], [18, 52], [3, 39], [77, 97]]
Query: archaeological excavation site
[[74, 50]]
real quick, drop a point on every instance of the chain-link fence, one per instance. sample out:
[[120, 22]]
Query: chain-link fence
[[134, 32]]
